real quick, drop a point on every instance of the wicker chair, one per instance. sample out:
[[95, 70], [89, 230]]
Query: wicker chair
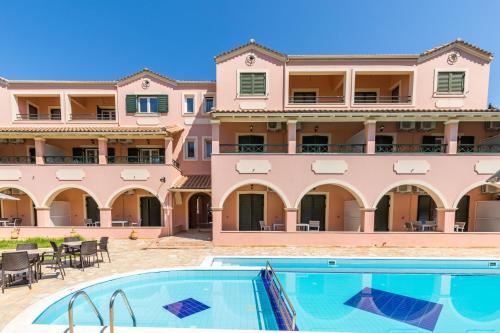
[[15, 263], [88, 251], [103, 247], [53, 259]]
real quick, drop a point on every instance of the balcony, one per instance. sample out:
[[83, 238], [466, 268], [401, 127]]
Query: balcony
[[93, 108], [36, 116], [71, 160], [410, 148], [382, 88], [311, 88], [331, 148], [382, 99], [108, 114], [313, 99], [17, 160], [136, 160], [253, 148], [479, 148]]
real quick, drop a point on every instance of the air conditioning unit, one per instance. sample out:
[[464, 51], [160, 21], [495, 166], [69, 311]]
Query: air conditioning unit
[[427, 125], [112, 141], [493, 125], [418, 190], [273, 126], [15, 191], [16, 140], [406, 125], [489, 189], [4, 140], [125, 141], [404, 189], [130, 192]]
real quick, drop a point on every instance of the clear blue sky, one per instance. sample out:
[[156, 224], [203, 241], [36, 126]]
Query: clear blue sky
[[105, 40]]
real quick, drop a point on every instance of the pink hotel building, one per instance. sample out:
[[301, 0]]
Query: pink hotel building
[[279, 150]]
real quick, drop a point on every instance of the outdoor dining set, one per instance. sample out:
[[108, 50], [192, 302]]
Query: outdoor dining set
[[25, 263], [11, 222]]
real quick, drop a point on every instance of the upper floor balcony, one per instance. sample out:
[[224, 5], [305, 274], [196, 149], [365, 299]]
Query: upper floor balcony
[[35, 108], [316, 89], [382, 88], [92, 108]]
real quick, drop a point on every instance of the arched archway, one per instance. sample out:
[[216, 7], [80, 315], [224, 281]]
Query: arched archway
[[135, 206], [261, 182], [253, 206], [199, 210], [73, 205], [117, 193], [330, 205], [19, 212], [408, 206], [478, 208]]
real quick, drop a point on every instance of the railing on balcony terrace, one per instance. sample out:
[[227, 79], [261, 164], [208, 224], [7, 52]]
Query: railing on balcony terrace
[[27, 116], [316, 100], [70, 160], [331, 148], [382, 99], [410, 148], [136, 160], [17, 160], [109, 115], [253, 148], [479, 148]]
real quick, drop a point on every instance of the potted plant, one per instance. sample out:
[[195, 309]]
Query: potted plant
[[73, 233], [14, 234], [133, 235]]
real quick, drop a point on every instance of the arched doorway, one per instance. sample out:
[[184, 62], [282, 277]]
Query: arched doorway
[[71, 206], [136, 207], [200, 211], [478, 209], [19, 212]]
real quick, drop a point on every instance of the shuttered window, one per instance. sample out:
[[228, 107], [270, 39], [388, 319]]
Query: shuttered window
[[253, 84], [450, 82], [146, 104]]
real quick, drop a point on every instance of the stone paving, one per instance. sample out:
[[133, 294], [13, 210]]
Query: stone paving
[[128, 255]]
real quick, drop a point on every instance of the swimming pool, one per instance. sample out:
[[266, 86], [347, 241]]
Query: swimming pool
[[233, 296]]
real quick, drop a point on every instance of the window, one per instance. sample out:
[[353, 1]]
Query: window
[[253, 84], [450, 83], [32, 112], [190, 150], [365, 97], [55, 113], [189, 104], [304, 97], [209, 104], [207, 148], [148, 104], [149, 156]]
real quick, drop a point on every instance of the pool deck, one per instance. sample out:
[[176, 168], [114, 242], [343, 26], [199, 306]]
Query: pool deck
[[128, 255]]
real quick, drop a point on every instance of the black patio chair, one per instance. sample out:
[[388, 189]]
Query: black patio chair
[[15, 263], [103, 247], [53, 259], [88, 251]]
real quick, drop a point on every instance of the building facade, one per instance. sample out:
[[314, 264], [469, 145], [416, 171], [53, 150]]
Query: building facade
[[279, 150]]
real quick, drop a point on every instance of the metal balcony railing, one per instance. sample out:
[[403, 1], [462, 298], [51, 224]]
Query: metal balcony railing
[[110, 115], [331, 148], [17, 160], [410, 148], [136, 160], [382, 99], [479, 148], [253, 148], [316, 100], [71, 160], [27, 116]]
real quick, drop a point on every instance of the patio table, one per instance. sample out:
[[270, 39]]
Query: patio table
[[119, 223], [5, 223], [302, 227], [278, 227]]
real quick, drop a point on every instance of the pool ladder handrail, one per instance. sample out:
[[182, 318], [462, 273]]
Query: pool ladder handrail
[[89, 301], [283, 292], [111, 309]]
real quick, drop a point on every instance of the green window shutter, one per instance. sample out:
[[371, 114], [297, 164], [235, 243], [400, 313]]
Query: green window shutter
[[457, 82], [163, 103], [252, 83], [443, 82], [131, 103]]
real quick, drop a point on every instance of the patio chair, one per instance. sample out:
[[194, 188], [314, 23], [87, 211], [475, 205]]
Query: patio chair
[[314, 225], [103, 247], [26, 246], [88, 251], [15, 263], [459, 226], [264, 227], [409, 226], [88, 222], [17, 221], [53, 259]]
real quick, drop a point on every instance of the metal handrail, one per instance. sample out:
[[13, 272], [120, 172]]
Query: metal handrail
[[479, 148], [316, 99], [112, 313], [345, 148], [251, 148], [381, 99], [269, 270], [411, 148], [89, 301]]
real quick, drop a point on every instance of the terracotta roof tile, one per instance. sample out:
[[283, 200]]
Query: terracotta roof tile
[[104, 130], [458, 41], [253, 44], [193, 182], [294, 111]]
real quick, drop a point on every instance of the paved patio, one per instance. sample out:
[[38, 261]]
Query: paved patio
[[128, 255]]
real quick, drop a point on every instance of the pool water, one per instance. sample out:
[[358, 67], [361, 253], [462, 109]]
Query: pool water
[[237, 299]]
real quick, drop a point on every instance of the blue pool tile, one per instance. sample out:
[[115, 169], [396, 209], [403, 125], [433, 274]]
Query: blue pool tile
[[186, 307], [413, 311]]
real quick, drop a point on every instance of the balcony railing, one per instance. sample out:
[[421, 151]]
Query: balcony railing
[[382, 99], [136, 160], [331, 148], [70, 160], [316, 99], [27, 116], [410, 148], [110, 115], [479, 148], [17, 160], [253, 148]]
